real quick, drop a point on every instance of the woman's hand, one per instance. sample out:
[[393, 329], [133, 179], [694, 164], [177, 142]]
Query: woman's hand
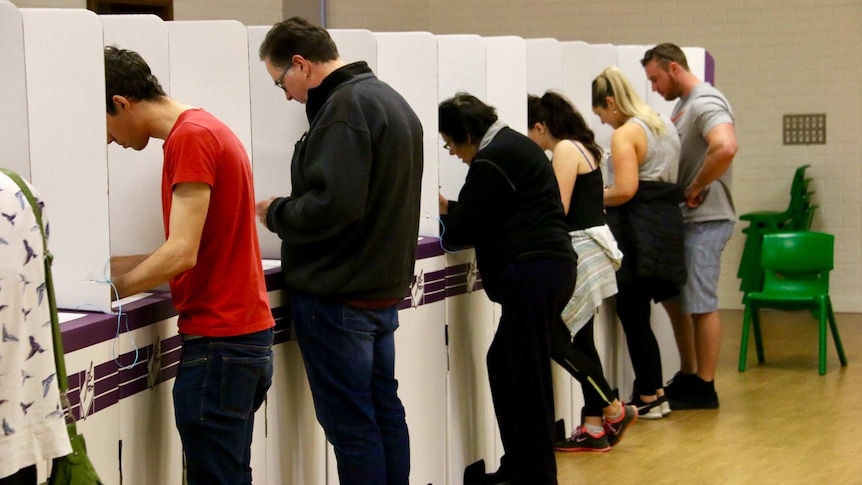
[[444, 204]]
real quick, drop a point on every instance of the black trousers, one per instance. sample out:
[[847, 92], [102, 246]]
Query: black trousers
[[24, 476], [532, 295], [580, 358], [633, 308]]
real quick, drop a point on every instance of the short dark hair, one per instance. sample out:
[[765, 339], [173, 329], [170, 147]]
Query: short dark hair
[[297, 35], [562, 119], [128, 74], [464, 117], [664, 54]]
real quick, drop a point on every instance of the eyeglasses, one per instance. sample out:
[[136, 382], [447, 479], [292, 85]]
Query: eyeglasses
[[446, 145], [280, 82]]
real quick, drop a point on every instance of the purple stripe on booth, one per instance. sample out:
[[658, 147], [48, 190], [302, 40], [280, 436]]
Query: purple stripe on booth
[[428, 247], [133, 387], [110, 382], [435, 297], [105, 401], [115, 380], [438, 285]]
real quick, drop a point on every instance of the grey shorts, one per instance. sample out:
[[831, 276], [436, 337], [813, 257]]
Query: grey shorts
[[704, 242]]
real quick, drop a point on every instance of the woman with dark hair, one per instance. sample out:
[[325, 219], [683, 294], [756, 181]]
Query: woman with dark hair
[[509, 209], [644, 215], [555, 125]]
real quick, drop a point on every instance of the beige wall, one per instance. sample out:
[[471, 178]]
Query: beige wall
[[255, 12], [379, 15], [49, 3]]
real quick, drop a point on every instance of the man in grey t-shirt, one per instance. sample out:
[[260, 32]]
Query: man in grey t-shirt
[[704, 120]]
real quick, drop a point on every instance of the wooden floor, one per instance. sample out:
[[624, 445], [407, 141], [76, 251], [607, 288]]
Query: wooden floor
[[779, 423]]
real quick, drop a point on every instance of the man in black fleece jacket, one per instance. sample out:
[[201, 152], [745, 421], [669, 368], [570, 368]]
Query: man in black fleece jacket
[[510, 209], [349, 232]]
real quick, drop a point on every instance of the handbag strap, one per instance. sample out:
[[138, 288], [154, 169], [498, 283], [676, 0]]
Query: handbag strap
[[59, 356]]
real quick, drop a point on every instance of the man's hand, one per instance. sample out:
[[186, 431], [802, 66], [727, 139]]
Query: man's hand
[[694, 196], [263, 208]]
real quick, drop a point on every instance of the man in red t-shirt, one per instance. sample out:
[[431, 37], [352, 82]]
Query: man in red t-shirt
[[211, 259]]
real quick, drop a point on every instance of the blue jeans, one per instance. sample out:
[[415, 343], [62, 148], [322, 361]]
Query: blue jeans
[[349, 355], [220, 384]]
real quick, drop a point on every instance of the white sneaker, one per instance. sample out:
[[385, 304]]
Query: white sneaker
[[665, 407]]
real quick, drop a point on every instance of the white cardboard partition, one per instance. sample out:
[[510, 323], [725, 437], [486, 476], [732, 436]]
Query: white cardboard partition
[[629, 61], [544, 66], [506, 63], [356, 45], [577, 82], [68, 162], [134, 186], [209, 69], [407, 61], [276, 125], [14, 135], [545, 72], [421, 369], [696, 57], [471, 429], [135, 178], [461, 68]]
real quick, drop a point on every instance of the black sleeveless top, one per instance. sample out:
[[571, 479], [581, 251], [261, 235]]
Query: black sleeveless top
[[587, 206]]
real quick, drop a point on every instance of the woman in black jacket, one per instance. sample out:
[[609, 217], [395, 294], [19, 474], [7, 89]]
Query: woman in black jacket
[[510, 209]]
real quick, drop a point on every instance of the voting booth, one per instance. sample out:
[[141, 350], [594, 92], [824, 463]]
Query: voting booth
[[105, 201]]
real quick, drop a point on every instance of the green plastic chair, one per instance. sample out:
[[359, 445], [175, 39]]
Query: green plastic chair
[[796, 217], [799, 200], [796, 268]]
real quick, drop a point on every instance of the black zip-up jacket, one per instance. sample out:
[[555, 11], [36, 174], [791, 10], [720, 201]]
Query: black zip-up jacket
[[649, 231], [509, 208], [349, 229]]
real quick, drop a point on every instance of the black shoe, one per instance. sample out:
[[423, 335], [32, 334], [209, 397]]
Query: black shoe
[[560, 430], [475, 474], [680, 384], [699, 395]]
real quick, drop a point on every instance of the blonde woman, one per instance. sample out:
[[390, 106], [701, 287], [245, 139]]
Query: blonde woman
[[644, 215]]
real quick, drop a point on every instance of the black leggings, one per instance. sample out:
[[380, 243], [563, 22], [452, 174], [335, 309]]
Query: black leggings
[[633, 308], [580, 358]]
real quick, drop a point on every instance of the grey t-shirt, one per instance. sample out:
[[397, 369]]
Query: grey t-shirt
[[662, 158], [694, 116]]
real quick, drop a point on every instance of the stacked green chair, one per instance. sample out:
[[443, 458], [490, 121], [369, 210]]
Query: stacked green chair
[[797, 217], [796, 268]]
